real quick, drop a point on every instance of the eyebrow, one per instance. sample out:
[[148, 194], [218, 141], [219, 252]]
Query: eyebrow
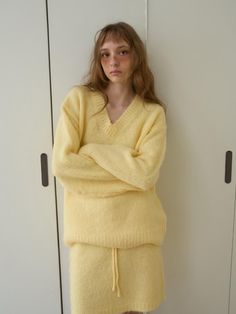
[[117, 47]]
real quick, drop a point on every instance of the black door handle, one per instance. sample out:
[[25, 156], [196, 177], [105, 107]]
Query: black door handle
[[228, 166], [44, 169]]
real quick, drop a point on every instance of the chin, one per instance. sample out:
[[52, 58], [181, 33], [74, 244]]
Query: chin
[[117, 80]]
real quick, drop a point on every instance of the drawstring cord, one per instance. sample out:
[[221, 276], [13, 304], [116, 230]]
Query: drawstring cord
[[115, 271]]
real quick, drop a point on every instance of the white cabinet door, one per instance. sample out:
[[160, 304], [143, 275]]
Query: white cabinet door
[[29, 268], [73, 25], [192, 49]]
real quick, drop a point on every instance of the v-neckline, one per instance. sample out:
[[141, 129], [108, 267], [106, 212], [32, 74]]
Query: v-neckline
[[124, 113], [124, 119]]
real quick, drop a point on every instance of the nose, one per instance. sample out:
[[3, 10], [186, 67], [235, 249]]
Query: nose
[[113, 60]]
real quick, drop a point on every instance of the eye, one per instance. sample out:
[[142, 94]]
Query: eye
[[104, 55], [124, 52]]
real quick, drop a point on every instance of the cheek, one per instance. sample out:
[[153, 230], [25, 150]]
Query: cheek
[[128, 65], [104, 63], [126, 61]]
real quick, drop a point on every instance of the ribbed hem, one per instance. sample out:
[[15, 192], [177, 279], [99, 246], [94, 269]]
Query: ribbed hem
[[138, 307], [125, 242]]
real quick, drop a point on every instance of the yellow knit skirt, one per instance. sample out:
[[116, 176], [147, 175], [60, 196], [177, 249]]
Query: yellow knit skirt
[[112, 280]]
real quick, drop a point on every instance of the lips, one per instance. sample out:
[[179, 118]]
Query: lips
[[115, 72]]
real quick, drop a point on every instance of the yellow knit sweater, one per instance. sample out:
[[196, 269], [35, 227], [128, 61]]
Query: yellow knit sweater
[[109, 171]]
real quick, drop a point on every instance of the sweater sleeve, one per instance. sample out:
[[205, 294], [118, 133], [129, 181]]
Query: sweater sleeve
[[75, 170], [141, 167]]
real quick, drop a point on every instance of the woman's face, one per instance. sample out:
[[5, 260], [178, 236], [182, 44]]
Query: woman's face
[[116, 60]]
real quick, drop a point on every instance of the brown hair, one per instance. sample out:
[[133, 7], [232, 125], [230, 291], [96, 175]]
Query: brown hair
[[142, 77]]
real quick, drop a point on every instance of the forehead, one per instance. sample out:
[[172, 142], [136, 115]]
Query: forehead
[[113, 42]]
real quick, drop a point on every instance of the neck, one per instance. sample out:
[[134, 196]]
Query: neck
[[119, 95]]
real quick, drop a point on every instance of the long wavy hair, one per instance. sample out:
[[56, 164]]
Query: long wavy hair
[[142, 78]]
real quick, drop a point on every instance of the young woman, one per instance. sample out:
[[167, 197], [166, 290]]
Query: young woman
[[109, 146]]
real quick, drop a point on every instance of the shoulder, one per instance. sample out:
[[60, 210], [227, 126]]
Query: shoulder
[[73, 100], [78, 91], [82, 100], [85, 95], [153, 106], [153, 116], [153, 110], [77, 95]]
